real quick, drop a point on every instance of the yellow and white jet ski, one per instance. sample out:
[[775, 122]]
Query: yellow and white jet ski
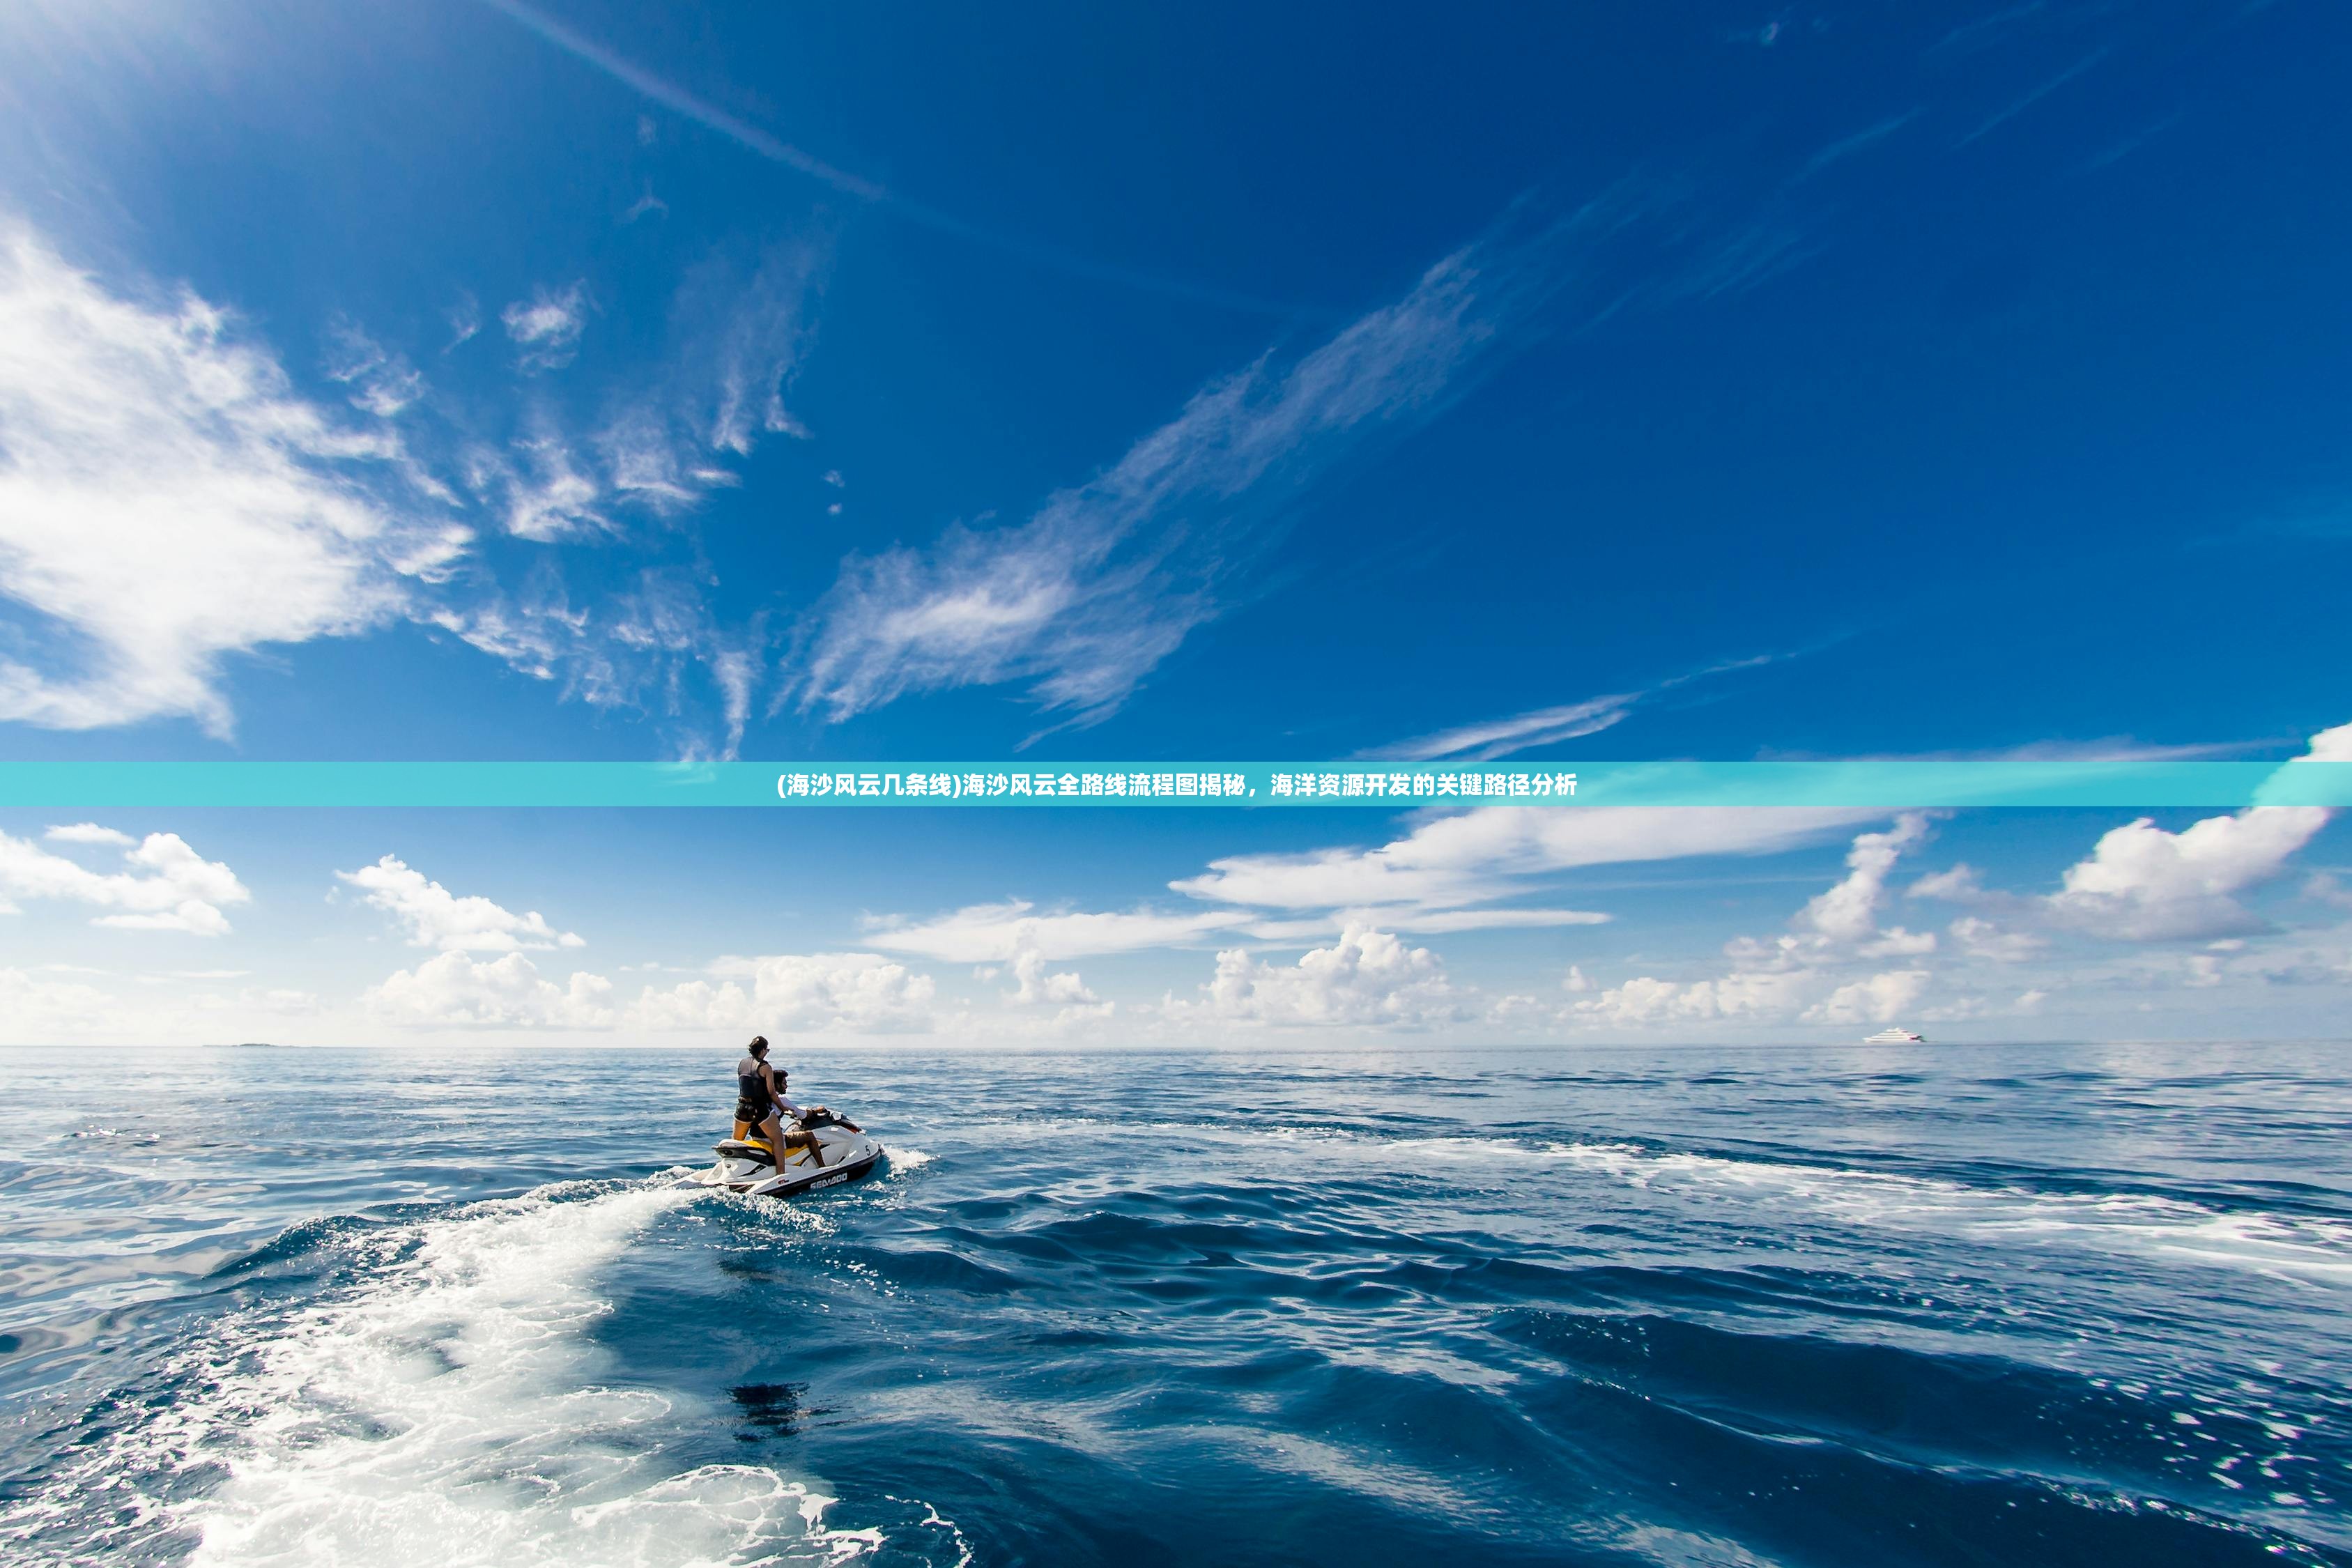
[[749, 1166]]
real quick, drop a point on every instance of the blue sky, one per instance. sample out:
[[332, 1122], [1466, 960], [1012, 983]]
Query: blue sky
[[483, 380]]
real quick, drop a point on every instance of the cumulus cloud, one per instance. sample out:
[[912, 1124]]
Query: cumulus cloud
[[1033, 987], [1880, 999], [1761, 995], [846, 993], [434, 917], [545, 329], [1367, 977], [166, 499], [453, 991], [1848, 912], [1802, 974], [2141, 883], [164, 886], [834, 992]]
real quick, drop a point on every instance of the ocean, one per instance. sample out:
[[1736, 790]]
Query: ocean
[[1852, 1307]]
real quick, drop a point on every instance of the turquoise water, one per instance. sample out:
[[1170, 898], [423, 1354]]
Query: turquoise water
[[1690, 1306]]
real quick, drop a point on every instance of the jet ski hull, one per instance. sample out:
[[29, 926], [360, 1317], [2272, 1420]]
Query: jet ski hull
[[747, 1168]]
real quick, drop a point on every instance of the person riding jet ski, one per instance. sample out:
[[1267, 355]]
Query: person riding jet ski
[[760, 1103], [782, 1148]]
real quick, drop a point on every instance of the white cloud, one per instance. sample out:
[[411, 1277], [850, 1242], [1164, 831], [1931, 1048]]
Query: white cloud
[[1544, 726], [1960, 884], [1880, 999], [1366, 977], [454, 991], [1761, 995], [540, 487], [1848, 912], [2325, 887], [89, 833], [1474, 856], [1501, 737], [638, 648], [837, 993], [546, 328], [1084, 598], [1008, 931], [1981, 938], [999, 933], [35, 1011], [165, 499], [434, 917], [852, 993], [2144, 884], [1441, 923], [383, 382], [465, 319], [1757, 997], [166, 885], [1034, 987], [1797, 975]]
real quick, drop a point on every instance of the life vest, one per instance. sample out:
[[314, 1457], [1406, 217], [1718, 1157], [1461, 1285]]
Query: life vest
[[750, 1086]]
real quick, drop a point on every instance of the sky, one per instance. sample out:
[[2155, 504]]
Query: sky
[[484, 380]]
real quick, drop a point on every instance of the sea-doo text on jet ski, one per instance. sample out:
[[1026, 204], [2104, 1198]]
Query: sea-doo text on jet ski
[[749, 1166]]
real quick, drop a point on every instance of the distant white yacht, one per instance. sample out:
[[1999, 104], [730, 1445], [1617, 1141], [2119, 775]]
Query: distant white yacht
[[1896, 1037]]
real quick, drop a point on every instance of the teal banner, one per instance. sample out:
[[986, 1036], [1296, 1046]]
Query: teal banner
[[1251, 786]]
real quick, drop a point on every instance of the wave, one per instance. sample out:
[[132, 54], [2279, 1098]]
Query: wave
[[450, 1408], [2309, 1248]]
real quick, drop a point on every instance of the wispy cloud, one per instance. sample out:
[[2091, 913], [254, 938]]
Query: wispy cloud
[[465, 319], [1000, 933], [1501, 737], [1474, 858], [1081, 600], [383, 382], [545, 329], [1495, 738], [1847, 146], [2029, 99], [167, 500], [774, 149]]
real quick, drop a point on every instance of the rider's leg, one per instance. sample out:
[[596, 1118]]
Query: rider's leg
[[772, 1129]]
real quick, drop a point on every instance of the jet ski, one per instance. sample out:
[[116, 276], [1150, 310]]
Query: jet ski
[[749, 1166]]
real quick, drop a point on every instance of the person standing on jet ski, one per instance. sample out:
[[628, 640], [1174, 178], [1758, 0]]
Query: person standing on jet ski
[[760, 1102]]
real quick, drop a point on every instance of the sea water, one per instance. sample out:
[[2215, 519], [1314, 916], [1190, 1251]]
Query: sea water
[[1853, 1306]]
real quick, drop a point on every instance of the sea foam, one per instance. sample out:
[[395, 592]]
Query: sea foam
[[451, 1409]]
